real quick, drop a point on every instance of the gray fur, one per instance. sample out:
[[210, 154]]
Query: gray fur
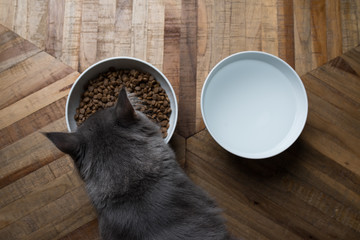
[[134, 181]]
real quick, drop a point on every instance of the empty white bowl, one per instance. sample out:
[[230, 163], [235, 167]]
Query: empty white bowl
[[93, 72], [254, 104]]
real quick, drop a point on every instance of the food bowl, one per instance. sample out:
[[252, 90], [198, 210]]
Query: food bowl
[[254, 104], [93, 72]]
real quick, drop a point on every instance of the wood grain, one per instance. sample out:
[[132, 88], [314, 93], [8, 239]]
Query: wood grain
[[333, 24], [36, 101], [37, 182], [186, 43], [350, 22], [304, 176], [25, 82], [187, 88], [88, 231], [172, 32], [14, 49], [55, 25], [311, 191]]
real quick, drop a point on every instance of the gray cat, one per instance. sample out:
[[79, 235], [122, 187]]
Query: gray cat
[[134, 181]]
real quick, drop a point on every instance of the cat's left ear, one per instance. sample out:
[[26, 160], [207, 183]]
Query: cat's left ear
[[69, 143], [124, 111]]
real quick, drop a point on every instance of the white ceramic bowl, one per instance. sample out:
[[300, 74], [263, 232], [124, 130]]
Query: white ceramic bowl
[[254, 104], [93, 71]]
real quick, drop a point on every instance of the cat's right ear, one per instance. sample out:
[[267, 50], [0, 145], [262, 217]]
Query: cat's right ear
[[124, 111], [66, 142]]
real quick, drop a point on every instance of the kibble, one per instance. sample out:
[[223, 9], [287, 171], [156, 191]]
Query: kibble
[[103, 91]]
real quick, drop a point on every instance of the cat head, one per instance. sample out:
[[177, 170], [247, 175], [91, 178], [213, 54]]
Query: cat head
[[116, 135]]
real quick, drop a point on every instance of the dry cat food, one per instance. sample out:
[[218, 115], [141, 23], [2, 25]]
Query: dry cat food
[[103, 91]]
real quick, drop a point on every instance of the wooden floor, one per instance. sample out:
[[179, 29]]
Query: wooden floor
[[311, 191]]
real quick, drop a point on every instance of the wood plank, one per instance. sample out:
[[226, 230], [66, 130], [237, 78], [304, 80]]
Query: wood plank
[[352, 62], [63, 186], [237, 34], [333, 25], [171, 58], [334, 111], [48, 221], [36, 101], [253, 25], [302, 36], [30, 19], [237, 207], [123, 27], [88, 231], [29, 76], [268, 186], [82, 215], [204, 49], [88, 35], [25, 185], [178, 144], [44, 195], [155, 33], [339, 185], [71, 34], [139, 26], [28, 154], [286, 31], [269, 27], [318, 33], [105, 30], [33, 122], [55, 27], [330, 143], [86, 213], [14, 49], [7, 12], [350, 24], [187, 91]]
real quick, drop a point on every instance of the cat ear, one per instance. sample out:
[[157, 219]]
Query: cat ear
[[66, 142], [124, 111]]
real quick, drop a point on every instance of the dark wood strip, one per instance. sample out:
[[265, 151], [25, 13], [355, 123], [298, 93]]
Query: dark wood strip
[[318, 32], [188, 66], [333, 25], [172, 33], [178, 144]]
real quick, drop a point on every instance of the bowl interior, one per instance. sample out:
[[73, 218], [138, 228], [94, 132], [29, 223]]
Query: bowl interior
[[92, 72], [254, 104]]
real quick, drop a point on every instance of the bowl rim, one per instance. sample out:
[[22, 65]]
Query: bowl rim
[[170, 134], [261, 155]]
